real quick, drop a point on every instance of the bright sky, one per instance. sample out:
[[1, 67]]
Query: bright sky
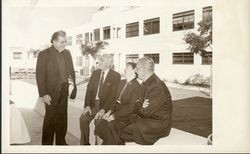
[[33, 27]]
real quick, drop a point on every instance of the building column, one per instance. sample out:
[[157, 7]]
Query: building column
[[112, 32], [141, 28], [197, 60], [141, 55], [197, 17], [101, 33]]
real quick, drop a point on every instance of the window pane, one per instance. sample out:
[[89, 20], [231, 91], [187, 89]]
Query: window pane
[[155, 57], [147, 28], [91, 36], [156, 27], [97, 34], [106, 33], [86, 37], [78, 39], [183, 58], [151, 26], [132, 58], [17, 55], [184, 20], [207, 58], [132, 29], [207, 12], [118, 32]]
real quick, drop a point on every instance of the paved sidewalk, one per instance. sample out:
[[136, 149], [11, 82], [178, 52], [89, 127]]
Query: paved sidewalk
[[34, 123], [25, 96]]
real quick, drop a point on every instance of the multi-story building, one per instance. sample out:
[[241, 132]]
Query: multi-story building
[[156, 32], [21, 58]]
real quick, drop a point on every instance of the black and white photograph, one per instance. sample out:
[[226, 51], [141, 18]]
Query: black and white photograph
[[85, 76]]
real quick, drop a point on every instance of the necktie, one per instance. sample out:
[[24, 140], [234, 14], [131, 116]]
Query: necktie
[[101, 84], [123, 89]]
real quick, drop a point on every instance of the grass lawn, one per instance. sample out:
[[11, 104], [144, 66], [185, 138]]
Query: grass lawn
[[193, 115]]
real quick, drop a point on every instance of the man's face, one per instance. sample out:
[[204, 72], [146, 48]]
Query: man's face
[[140, 71], [60, 43], [104, 63], [129, 71]]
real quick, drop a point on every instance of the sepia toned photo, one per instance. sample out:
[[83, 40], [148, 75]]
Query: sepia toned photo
[[115, 75], [112, 75], [121, 75]]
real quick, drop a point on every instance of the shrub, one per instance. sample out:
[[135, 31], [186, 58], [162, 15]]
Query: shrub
[[176, 81], [187, 82]]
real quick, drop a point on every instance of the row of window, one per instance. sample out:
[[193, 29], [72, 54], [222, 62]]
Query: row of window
[[181, 21], [178, 58], [134, 57], [151, 26]]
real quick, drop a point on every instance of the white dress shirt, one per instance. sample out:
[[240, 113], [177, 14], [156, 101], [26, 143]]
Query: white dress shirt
[[104, 78]]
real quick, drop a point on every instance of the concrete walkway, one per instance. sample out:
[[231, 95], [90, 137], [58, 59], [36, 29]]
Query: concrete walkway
[[34, 123], [25, 96]]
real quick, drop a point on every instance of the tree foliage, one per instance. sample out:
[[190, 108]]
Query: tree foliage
[[198, 43], [92, 49]]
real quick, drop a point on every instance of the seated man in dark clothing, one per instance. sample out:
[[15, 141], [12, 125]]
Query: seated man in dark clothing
[[107, 129], [100, 93], [153, 108]]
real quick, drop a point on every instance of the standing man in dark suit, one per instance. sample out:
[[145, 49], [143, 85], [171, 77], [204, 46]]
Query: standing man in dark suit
[[101, 92], [153, 108], [107, 129], [54, 67]]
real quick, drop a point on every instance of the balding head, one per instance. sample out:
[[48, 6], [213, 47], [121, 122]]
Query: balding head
[[145, 67], [147, 63], [105, 61]]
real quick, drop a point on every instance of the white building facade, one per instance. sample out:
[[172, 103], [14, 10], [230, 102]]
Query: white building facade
[[21, 58], [156, 32]]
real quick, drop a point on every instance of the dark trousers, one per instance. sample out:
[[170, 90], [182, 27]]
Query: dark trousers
[[85, 120], [55, 119], [115, 132], [127, 134]]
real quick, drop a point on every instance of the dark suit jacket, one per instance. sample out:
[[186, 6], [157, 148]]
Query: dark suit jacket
[[154, 121], [47, 72], [108, 91], [128, 99]]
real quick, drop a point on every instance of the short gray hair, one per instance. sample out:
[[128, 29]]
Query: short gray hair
[[109, 57], [147, 63]]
